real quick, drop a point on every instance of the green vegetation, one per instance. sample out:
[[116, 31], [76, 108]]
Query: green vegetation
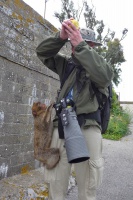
[[119, 121]]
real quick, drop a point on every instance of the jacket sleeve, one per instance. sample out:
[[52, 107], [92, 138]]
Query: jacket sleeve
[[98, 70], [47, 52]]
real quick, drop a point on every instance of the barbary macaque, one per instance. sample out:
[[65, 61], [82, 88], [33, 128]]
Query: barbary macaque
[[43, 129]]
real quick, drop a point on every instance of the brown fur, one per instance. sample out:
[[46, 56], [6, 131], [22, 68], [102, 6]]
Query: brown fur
[[43, 130]]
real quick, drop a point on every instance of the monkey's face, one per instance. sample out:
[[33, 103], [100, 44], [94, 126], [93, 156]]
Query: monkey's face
[[37, 107]]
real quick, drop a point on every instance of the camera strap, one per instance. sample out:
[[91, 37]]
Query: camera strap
[[68, 70]]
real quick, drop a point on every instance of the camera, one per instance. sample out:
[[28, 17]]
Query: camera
[[75, 144]]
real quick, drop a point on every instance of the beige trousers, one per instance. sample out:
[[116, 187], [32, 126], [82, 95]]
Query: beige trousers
[[88, 173]]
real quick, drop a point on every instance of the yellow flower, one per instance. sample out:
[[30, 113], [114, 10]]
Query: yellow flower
[[75, 23]]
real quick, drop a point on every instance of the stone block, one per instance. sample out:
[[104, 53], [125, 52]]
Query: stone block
[[16, 159], [23, 80]]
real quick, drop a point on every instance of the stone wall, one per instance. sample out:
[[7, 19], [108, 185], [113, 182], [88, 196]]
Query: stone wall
[[128, 105], [23, 80]]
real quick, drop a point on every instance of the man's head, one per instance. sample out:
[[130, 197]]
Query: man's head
[[89, 36]]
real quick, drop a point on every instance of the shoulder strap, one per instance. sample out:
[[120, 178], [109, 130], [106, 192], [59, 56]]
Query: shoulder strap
[[69, 68], [78, 82]]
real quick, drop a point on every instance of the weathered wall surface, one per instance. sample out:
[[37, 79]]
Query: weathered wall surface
[[23, 79], [128, 106]]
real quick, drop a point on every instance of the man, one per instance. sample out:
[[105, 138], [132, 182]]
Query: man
[[88, 173]]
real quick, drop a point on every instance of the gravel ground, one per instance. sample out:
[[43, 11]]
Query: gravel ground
[[118, 174]]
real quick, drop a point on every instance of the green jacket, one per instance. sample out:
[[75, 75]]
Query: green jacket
[[96, 69]]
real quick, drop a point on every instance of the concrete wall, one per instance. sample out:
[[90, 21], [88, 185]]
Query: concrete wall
[[128, 105], [23, 79]]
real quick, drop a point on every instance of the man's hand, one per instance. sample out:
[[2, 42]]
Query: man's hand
[[63, 33], [72, 33]]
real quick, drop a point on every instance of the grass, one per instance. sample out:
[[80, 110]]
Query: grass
[[119, 124]]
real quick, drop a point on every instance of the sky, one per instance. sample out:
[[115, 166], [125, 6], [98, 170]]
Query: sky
[[117, 15]]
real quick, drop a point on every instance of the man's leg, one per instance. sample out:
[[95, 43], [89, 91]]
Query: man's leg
[[58, 177], [89, 173]]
